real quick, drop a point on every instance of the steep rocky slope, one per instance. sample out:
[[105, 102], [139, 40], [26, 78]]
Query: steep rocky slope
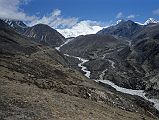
[[145, 54], [37, 83], [122, 29], [41, 33], [92, 46], [17, 25], [45, 35]]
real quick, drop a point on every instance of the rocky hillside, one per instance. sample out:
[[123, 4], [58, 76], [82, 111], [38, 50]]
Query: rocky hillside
[[36, 82], [122, 29], [40, 33], [103, 51], [132, 65], [92, 46], [19, 26], [145, 54], [45, 35]]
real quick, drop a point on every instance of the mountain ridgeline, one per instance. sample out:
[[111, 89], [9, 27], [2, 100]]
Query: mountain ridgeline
[[38, 81], [127, 28], [122, 29], [45, 34], [41, 33]]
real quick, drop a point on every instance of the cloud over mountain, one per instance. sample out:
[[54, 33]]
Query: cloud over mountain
[[131, 16], [9, 9], [69, 27], [81, 28], [55, 20], [119, 15]]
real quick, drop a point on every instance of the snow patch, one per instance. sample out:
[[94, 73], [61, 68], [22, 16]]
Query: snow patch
[[83, 68], [69, 40], [112, 63]]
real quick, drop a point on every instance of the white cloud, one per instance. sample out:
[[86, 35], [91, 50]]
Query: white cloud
[[81, 28], [156, 12], [119, 15], [9, 9], [56, 12], [131, 16], [55, 20], [69, 27]]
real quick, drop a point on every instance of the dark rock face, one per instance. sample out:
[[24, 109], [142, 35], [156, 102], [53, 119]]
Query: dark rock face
[[40, 33], [150, 31], [45, 35], [123, 29], [19, 26], [37, 83]]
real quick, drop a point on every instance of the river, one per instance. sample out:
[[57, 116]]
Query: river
[[140, 93]]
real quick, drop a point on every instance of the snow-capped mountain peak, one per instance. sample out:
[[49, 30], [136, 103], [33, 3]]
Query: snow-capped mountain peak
[[119, 21], [81, 28], [150, 21], [14, 23]]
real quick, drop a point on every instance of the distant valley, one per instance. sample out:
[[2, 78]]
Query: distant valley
[[113, 74]]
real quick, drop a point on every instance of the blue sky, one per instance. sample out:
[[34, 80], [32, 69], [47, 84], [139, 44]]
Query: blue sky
[[78, 17], [97, 10]]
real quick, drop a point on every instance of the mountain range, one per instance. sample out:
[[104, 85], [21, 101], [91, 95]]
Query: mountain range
[[127, 28], [135, 54], [39, 81], [40, 33]]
